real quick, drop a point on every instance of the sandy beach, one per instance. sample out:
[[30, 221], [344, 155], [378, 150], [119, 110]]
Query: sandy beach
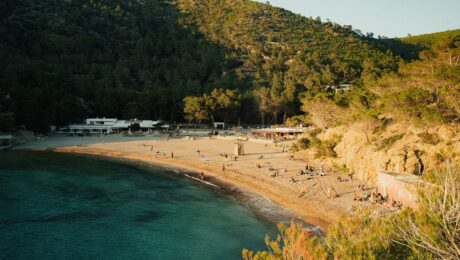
[[305, 195]]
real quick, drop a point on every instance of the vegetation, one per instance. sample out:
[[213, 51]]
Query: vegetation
[[63, 61], [220, 103], [429, 138], [301, 144], [386, 143], [325, 148], [431, 232]]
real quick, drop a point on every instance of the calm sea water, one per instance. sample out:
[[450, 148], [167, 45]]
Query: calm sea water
[[57, 206]]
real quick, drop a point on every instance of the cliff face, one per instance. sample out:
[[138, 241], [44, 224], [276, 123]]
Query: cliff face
[[398, 148]]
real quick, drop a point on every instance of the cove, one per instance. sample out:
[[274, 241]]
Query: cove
[[62, 206]]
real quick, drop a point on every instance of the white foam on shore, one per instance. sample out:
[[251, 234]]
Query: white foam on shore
[[197, 179]]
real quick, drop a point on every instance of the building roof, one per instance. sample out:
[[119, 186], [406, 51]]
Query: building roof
[[409, 178], [142, 123], [6, 136], [280, 130]]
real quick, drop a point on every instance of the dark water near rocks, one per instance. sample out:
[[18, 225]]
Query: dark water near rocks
[[59, 206]]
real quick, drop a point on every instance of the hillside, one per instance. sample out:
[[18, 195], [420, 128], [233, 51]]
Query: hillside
[[407, 121], [65, 60], [409, 47], [276, 44], [426, 41]]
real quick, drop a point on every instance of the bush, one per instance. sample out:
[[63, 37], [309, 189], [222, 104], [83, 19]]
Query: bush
[[388, 142], [431, 232], [428, 138], [325, 149], [301, 144], [298, 120]]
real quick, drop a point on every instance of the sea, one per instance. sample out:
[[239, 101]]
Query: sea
[[64, 206]]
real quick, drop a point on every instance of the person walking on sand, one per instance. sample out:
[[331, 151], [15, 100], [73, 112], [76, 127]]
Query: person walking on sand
[[198, 152], [350, 175], [223, 167], [202, 176], [172, 155]]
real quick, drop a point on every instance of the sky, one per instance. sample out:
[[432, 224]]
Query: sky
[[390, 18]]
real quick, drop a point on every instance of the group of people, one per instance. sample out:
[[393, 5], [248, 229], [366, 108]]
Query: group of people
[[376, 198]]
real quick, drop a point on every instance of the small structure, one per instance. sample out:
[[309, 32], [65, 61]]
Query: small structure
[[6, 141], [399, 187], [284, 133], [337, 88], [238, 147], [219, 125]]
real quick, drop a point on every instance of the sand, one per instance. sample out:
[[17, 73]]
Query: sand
[[307, 196]]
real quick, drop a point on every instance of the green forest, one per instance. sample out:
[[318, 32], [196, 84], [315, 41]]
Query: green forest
[[63, 61]]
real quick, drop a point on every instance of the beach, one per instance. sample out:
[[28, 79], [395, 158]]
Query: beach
[[305, 195]]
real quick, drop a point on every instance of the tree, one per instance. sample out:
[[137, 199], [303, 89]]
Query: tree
[[194, 109], [434, 230], [221, 102], [293, 243], [135, 127], [323, 112]]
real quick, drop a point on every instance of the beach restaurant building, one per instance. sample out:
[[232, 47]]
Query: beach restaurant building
[[107, 126], [283, 133]]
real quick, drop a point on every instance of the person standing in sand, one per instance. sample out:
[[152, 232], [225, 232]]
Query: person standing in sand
[[201, 175], [172, 155], [223, 167], [350, 175]]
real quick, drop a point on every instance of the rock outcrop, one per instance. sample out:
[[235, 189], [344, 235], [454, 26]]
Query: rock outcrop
[[398, 147]]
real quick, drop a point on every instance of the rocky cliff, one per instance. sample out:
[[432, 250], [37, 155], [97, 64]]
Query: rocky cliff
[[365, 149]]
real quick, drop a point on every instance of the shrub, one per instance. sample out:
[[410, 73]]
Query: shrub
[[301, 144], [298, 120], [431, 232], [388, 142], [325, 148], [293, 242], [428, 138]]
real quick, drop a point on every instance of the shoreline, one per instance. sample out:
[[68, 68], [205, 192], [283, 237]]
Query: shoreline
[[306, 197], [262, 206]]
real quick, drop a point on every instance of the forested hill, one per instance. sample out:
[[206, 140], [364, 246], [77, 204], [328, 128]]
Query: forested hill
[[276, 45], [426, 41], [64, 60]]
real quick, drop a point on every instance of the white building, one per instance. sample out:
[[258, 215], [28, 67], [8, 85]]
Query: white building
[[6, 141], [107, 126], [337, 88]]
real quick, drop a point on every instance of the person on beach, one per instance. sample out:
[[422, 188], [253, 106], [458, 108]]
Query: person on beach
[[198, 152], [172, 155], [223, 167], [350, 174], [201, 175]]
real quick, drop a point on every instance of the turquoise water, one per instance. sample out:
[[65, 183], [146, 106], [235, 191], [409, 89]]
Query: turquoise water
[[57, 206]]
